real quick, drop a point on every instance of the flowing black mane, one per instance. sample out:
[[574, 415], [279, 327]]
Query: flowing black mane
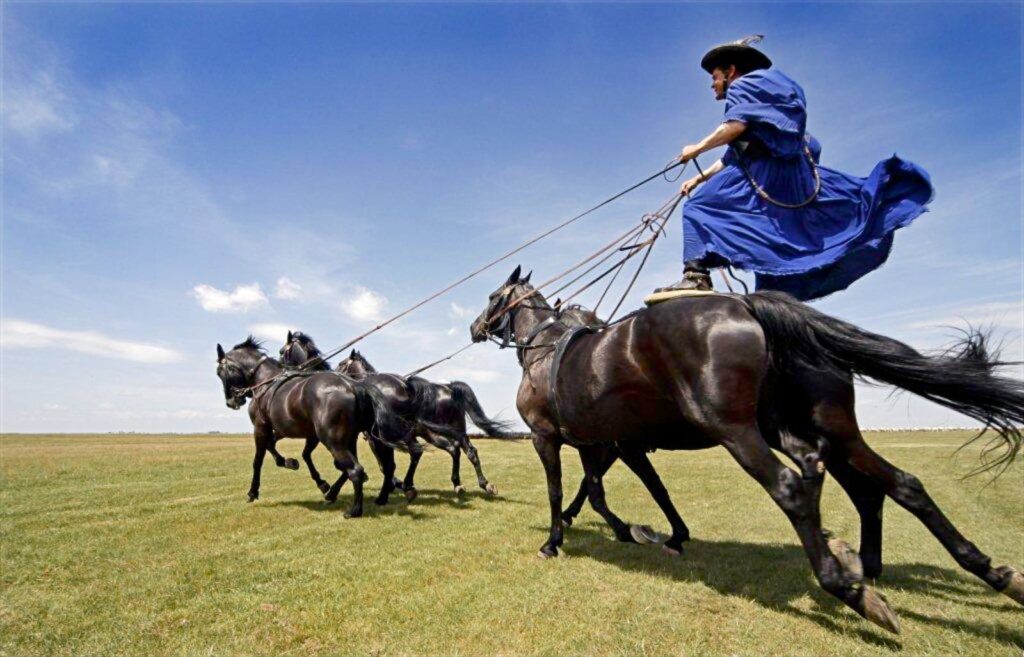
[[251, 343], [312, 351], [355, 355]]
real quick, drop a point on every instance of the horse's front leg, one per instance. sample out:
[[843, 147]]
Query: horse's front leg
[[549, 450], [280, 461], [263, 436]]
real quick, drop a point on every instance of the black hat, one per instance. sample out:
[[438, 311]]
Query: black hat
[[739, 53]]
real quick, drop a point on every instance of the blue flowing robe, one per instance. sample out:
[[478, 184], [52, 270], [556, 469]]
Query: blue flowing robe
[[809, 252]]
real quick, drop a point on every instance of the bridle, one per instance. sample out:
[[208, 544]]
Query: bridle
[[505, 311], [242, 393]]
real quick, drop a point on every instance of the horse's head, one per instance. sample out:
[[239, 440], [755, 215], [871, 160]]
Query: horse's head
[[498, 318], [355, 366], [298, 349], [237, 369]]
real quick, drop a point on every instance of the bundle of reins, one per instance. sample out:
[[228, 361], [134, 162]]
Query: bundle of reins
[[629, 242]]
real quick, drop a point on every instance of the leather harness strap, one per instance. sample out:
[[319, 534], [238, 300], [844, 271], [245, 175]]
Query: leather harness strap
[[561, 348]]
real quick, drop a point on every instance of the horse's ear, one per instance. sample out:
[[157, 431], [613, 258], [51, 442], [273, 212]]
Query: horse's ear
[[353, 354], [220, 353], [526, 279], [289, 336], [514, 278]]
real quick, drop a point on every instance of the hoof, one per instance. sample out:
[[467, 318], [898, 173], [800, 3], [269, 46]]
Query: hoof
[[876, 610], [491, 489], [566, 522], [291, 464], [330, 499], [411, 494], [1015, 587], [460, 490], [644, 535], [547, 553], [353, 514], [397, 483], [324, 487], [380, 501], [671, 551], [848, 559], [252, 497]]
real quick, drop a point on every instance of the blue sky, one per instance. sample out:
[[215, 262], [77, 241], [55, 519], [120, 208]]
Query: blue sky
[[177, 175]]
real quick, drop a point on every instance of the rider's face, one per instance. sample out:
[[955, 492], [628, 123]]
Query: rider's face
[[719, 81]]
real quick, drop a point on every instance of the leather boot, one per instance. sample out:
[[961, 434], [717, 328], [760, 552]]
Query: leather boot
[[696, 276]]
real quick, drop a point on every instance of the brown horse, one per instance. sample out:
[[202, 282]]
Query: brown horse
[[321, 405], [741, 372]]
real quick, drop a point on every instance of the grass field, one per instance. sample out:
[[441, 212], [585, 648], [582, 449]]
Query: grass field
[[145, 545]]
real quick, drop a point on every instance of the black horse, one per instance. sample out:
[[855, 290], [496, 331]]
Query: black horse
[[320, 405], [741, 372], [867, 503], [438, 405], [635, 457]]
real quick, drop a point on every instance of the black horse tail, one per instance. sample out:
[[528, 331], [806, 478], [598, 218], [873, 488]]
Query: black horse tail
[[465, 399], [963, 378], [383, 422]]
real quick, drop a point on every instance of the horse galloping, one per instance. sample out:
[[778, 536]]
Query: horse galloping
[[439, 411], [320, 406], [711, 371]]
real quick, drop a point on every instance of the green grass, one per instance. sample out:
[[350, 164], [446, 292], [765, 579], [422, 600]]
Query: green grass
[[145, 545]]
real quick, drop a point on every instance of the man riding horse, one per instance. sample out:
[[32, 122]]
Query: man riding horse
[[767, 206]]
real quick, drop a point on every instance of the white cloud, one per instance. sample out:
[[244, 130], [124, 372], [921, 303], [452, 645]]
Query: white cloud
[[286, 288], [16, 333], [365, 306], [458, 312], [35, 106], [241, 300], [275, 333]]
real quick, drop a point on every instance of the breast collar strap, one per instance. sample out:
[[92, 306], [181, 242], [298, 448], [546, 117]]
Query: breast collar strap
[[521, 348]]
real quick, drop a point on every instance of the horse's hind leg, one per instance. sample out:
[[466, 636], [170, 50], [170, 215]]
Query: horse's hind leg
[[474, 458], [792, 495], [809, 453], [386, 460], [600, 469], [635, 458], [867, 498], [347, 463], [909, 492], [593, 458], [453, 451], [307, 456], [331, 496]]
